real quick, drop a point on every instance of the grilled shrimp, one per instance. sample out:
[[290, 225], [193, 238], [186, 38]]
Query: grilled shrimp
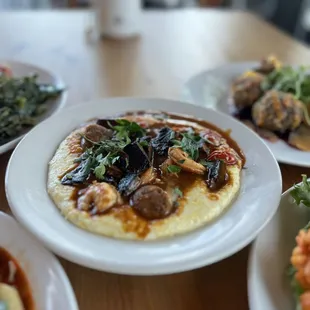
[[103, 196], [182, 159]]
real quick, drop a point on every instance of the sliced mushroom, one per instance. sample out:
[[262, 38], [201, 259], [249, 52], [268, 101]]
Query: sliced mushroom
[[148, 176], [101, 196], [94, 133], [128, 184], [151, 202], [217, 175], [181, 158], [300, 138]]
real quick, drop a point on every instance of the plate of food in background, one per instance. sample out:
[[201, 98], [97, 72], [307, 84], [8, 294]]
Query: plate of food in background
[[30, 277], [143, 186], [278, 273], [269, 97], [28, 95]]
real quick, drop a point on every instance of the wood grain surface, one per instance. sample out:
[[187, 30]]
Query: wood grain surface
[[173, 46]]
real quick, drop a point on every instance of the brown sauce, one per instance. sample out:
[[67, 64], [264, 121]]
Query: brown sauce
[[131, 221], [185, 181], [20, 281]]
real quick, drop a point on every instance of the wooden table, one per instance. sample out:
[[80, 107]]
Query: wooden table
[[174, 46]]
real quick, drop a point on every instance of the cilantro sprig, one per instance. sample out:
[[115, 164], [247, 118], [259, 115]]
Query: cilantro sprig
[[190, 143], [124, 129], [104, 154], [301, 192], [174, 169]]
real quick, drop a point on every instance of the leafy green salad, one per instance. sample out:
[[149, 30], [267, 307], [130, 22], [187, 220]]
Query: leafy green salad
[[21, 102]]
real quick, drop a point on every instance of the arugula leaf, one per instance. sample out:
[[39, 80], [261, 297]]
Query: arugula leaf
[[178, 192], [174, 169], [301, 192]]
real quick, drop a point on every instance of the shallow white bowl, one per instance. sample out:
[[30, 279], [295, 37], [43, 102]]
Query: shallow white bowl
[[50, 286], [27, 171], [212, 89], [268, 285], [20, 69]]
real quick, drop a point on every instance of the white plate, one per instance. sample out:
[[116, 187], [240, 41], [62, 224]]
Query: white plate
[[50, 286], [27, 171], [211, 89], [20, 69], [268, 285]]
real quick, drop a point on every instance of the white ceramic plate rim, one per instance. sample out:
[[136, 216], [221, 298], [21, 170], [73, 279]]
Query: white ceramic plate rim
[[252, 265], [193, 91], [188, 260], [62, 98], [59, 273]]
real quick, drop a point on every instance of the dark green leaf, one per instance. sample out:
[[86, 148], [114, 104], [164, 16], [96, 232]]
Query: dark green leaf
[[301, 192], [21, 101], [290, 80], [191, 143], [174, 169], [178, 192]]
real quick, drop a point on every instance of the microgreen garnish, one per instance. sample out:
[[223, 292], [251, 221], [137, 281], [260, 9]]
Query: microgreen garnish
[[124, 129], [301, 192], [178, 192], [174, 169], [290, 80]]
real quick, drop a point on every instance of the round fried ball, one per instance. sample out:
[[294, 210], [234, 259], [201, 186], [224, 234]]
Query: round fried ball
[[277, 111], [246, 89]]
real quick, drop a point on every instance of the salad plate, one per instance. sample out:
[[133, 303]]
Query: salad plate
[[37, 94], [213, 89]]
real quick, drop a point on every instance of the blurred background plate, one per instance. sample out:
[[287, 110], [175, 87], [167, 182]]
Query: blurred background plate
[[268, 285], [212, 89], [20, 69], [50, 286]]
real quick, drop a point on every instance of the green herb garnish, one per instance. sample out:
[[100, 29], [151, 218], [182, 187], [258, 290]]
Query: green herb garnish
[[178, 192], [289, 80], [124, 129], [21, 102], [301, 192], [103, 163], [174, 169], [96, 159], [190, 143]]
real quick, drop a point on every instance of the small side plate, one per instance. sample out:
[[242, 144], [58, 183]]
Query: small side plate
[[268, 285], [50, 286], [20, 69]]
